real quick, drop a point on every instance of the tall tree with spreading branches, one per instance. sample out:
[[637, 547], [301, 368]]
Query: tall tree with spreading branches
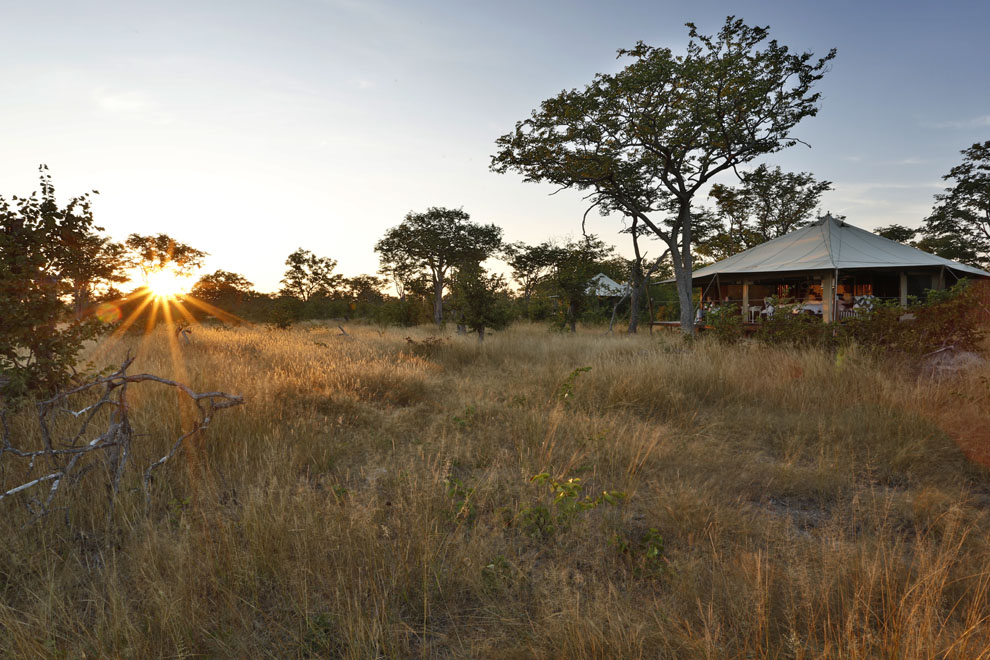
[[645, 140], [433, 242]]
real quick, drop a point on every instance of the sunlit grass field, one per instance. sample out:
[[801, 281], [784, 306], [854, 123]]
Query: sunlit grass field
[[374, 498]]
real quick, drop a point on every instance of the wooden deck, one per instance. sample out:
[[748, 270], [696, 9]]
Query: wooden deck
[[748, 328]]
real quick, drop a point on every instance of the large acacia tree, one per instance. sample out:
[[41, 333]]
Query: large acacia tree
[[645, 140], [435, 242]]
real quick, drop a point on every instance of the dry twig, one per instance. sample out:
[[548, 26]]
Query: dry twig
[[68, 458]]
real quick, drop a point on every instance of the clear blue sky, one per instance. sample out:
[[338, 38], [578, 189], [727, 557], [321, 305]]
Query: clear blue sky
[[248, 129]]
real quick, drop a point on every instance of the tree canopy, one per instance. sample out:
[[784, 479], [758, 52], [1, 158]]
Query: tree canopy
[[898, 233], [309, 276], [432, 243], [222, 288], [767, 203], [573, 266], [531, 264], [960, 220], [159, 252], [364, 289], [643, 141], [481, 298]]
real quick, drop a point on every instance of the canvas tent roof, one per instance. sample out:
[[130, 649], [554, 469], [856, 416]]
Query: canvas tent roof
[[604, 286], [829, 244]]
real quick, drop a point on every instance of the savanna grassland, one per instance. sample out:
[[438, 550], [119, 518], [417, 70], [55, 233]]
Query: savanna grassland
[[375, 498]]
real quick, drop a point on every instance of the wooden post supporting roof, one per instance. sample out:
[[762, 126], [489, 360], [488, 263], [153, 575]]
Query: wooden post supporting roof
[[903, 289], [828, 296], [745, 300]]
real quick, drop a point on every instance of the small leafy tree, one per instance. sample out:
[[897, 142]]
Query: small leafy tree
[[574, 264], [481, 298], [95, 266], [364, 289], [531, 264], [41, 268], [309, 276], [433, 243]]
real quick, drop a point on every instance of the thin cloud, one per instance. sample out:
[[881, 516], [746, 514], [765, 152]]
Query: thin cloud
[[859, 187], [123, 102], [134, 104], [976, 122]]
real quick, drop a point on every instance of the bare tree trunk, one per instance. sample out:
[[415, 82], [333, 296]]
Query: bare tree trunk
[[572, 316], [634, 294], [615, 311], [635, 280], [438, 301], [682, 269], [649, 306], [481, 334], [80, 300]]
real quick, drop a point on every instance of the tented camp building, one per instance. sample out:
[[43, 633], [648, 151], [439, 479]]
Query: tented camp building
[[827, 268]]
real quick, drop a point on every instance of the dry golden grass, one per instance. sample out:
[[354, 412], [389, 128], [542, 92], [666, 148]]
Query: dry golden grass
[[372, 499]]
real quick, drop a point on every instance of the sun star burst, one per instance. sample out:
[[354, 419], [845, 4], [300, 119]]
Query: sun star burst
[[167, 284]]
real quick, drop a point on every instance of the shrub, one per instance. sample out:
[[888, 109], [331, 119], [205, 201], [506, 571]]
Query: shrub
[[543, 521], [48, 255], [802, 330], [726, 322], [945, 318]]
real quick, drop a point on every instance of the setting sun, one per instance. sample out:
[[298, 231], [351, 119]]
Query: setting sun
[[167, 284]]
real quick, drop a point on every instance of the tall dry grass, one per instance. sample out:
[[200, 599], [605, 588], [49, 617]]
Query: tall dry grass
[[373, 498]]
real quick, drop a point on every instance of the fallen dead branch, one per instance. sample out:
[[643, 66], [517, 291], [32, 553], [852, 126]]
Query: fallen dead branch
[[69, 457]]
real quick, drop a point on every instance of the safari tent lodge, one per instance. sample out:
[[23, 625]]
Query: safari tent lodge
[[830, 269]]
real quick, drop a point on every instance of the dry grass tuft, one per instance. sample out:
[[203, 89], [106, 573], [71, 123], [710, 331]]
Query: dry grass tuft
[[373, 498]]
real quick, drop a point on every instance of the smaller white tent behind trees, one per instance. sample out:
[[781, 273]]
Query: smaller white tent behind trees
[[603, 286]]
